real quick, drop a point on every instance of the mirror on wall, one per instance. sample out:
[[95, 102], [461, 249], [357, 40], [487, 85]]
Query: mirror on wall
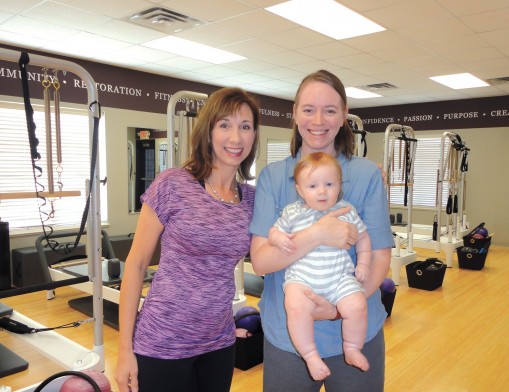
[[147, 150]]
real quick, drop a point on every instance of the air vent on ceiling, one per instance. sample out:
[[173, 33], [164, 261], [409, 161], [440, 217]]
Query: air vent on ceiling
[[495, 81], [164, 20], [377, 86]]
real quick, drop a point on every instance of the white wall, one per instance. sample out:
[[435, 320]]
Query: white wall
[[117, 122]]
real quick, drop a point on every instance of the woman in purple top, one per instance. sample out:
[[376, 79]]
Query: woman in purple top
[[183, 337]]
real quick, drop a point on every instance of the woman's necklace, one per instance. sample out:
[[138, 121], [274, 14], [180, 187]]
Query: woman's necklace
[[235, 193]]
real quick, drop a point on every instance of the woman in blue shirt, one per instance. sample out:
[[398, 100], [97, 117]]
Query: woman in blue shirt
[[320, 124]]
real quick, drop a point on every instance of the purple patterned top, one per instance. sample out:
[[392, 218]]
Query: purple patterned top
[[188, 310]]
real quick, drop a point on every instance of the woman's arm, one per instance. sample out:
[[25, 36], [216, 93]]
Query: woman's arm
[[380, 262], [329, 230], [148, 232]]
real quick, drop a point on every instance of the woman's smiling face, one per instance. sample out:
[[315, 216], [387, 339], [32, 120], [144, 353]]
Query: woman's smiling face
[[233, 137], [319, 114]]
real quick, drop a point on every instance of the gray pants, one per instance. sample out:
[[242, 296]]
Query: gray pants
[[284, 371]]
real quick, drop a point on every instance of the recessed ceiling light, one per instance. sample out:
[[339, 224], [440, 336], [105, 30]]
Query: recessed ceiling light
[[354, 92], [459, 81], [326, 17], [186, 48]]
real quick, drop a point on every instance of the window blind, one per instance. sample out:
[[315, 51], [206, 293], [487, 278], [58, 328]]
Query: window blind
[[16, 174], [277, 150], [427, 158]]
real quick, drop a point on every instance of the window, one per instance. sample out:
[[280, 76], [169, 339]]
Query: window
[[427, 159], [277, 150], [16, 175]]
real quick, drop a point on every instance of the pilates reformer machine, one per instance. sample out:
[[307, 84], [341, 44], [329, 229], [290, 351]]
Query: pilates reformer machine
[[400, 140], [452, 169], [57, 348], [361, 146], [453, 164]]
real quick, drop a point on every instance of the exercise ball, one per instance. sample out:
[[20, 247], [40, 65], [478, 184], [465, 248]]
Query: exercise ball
[[79, 384], [388, 285], [482, 231], [248, 318]]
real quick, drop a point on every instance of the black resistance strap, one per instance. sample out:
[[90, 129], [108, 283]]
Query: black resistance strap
[[16, 327], [35, 156]]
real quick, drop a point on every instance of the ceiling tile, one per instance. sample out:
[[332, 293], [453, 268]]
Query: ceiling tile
[[258, 23], [465, 56], [219, 71], [212, 35], [148, 55], [462, 7], [487, 21], [254, 48], [64, 15], [118, 9], [23, 41], [32, 27], [436, 31], [451, 44], [416, 13], [208, 11], [287, 58], [297, 38], [127, 32], [17, 6], [5, 16], [328, 50], [184, 63]]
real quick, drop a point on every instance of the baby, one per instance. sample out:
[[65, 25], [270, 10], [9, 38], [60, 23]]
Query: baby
[[328, 271]]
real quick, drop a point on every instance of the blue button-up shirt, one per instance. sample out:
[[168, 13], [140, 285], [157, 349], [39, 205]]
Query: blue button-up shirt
[[362, 187]]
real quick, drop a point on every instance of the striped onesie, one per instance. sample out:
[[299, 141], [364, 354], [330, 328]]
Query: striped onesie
[[327, 270]]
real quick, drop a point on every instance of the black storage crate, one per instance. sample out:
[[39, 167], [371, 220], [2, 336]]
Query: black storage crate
[[471, 258], [426, 275], [476, 243], [249, 351]]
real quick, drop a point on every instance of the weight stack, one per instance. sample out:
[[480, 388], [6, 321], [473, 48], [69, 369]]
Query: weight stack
[[5, 258]]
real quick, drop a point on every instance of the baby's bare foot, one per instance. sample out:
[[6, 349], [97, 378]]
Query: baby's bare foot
[[317, 368], [355, 358]]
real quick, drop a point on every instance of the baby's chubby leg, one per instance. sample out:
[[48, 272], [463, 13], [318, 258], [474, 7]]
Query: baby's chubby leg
[[299, 310], [354, 311]]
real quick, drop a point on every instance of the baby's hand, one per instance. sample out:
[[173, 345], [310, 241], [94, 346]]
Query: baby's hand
[[282, 240], [362, 272]]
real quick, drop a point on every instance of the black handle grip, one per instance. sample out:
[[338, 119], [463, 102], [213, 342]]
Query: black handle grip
[[448, 209]]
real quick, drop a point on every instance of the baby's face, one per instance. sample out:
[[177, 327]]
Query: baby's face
[[319, 187]]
